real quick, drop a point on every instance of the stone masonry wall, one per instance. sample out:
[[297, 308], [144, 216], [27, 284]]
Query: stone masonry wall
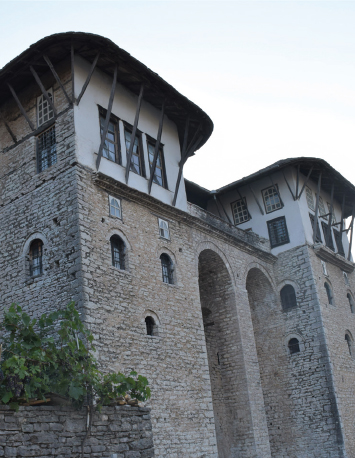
[[338, 319], [46, 432]]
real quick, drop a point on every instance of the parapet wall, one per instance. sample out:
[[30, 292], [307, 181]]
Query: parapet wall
[[52, 431]]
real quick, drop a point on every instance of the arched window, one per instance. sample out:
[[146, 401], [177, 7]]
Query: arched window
[[288, 297], [118, 252], [329, 293], [351, 303], [167, 269], [150, 325], [294, 346], [35, 256], [350, 343]]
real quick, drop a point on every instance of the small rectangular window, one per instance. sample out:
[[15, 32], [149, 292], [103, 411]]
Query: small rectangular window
[[271, 199], [164, 229], [324, 268], [240, 211], [318, 236], [111, 149], [278, 233], [137, 163], [115, 206], [46, 149], [333, 214], [309, 197], [159, 176], [44, 110], [328, 240]]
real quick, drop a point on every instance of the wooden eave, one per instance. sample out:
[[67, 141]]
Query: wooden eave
[[131, 74]]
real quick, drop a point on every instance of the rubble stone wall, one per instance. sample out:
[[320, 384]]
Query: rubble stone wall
[[46, 432]]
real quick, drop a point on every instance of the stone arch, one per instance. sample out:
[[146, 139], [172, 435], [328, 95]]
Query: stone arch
[[157, 326], [257, 265], [225, 355], [126, 248], [207, 245], [25, 258]]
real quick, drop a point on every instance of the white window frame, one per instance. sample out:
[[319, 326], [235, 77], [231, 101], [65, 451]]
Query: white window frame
[[45, 106], [119, 207], [164, 232], [275, 195], [321, 208], [309, 197], [240, 216], [324, 268]]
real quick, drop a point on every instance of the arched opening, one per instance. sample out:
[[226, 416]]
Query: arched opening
[[167, 269], [288, 297], [329, 293], [150, 325], [349, 341], [35, 258], [293, 346], [118, 252], [225, 356], [351, 303]]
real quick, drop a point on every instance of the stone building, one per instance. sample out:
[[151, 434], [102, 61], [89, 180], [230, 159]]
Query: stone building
[[237, 304]]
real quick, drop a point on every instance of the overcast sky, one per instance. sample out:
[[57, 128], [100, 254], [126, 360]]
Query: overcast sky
[[276, 78]]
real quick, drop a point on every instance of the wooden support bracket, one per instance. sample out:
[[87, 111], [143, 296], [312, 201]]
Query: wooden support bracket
[[157, 146], [88, 78], [24, 114], [55, 74], [329, 232], [256, 200], [315, 222], [134, 131], [305, 183], [288, 185], [43, 90]]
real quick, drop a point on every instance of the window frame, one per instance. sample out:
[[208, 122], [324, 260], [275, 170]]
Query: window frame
[[285, 306], [119, 204], [117, 242], [161, 220], [339, 242], [40, 168], [293, 347], [42, 98], [325, 230], [272, 221], [309, 196], [152, 142], [351, 302], [319, 235], [329, 291], [244, 201], [117, 141], [40, 257], [275, 186], [170, 269], [129, 128]]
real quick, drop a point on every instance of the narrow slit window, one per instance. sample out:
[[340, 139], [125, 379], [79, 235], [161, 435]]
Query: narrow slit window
[[159, 176], [328, 240], [150, 325], [350, 344], [115, 207], [46, 149], [318, 236], [36, 257], [167, 269], [118, 252], [329, 293], [310, 200], [321, 207], [351, 303]]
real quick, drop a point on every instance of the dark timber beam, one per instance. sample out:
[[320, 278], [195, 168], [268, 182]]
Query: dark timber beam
[[55, 74], [192, 149], [43, 90], [88, 78], [216, 202], [256, 200], [351, 233], [329, 232], [72, 73], [12, 135], [288, 185], [224, 210], [315, 222], [24, 114], [305, 183], [107, 119], [157, 146], [298, 180], [134, 131], [342, 214]]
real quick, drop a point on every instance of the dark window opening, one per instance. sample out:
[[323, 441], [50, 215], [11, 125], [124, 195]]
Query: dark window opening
[[46, 149], [278, 233], [349, 342], [35, 255], [150, 324], [159, 176], [326, 232], [288, 297], [111, 149], [329, 293], [137, 164], [118, 252], [339, 242], [167, 269], [294, 346], [351, 303], [318, 236]]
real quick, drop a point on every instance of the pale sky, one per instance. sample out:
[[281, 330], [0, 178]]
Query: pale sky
[[276, 78]]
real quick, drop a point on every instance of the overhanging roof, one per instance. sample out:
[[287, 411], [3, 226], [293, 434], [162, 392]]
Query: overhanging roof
[[131, 74], [329, 176]]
